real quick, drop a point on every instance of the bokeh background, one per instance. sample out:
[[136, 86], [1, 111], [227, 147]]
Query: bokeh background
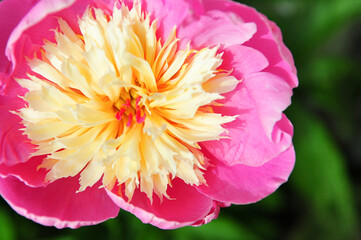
[[322, 199]]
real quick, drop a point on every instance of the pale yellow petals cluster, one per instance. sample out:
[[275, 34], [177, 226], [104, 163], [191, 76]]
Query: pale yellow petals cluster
[[115, 103]]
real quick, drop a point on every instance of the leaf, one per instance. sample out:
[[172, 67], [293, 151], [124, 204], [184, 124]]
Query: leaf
[[7, 229], [321, 179], [328, 16], [224, 229]]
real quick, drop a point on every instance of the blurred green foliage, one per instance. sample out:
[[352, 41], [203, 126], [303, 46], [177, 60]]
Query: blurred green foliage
[[322, 200]]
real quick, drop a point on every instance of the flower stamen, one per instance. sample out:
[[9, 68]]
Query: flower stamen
[[124, 107], [138, 117], [130, 118]]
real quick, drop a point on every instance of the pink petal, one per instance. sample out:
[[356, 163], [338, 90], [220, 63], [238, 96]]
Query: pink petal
[[168, 14], [36, 26], [277, 64], [57, 204], [241, 184], [216, 28], [27, 172], [37, 13], [271, 96], [11, 12], [267, 40], [14, 146], [259, 101], [287, 68], [186, 207], [242, 60], [213, 213]]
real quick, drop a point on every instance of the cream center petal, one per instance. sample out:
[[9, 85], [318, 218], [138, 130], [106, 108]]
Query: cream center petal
[[116, 103]]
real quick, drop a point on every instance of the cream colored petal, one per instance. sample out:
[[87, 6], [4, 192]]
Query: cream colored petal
[[46, 130], [72, 70], [67, 31], [49, 72], [222, 84], [92, 173], [99, 63]]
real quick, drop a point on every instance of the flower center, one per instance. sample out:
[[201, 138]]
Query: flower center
[[115, 103], [130, 108]]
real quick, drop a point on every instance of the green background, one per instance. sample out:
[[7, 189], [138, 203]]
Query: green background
[[322, 199]]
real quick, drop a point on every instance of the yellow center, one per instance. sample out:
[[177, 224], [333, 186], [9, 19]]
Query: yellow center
[[118, 104]]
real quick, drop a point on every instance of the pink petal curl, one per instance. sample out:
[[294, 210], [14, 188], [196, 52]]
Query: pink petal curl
[[185, 207], [27, 172]]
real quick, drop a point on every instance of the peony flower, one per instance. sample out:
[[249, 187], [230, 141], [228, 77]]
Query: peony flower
[[166, 109]]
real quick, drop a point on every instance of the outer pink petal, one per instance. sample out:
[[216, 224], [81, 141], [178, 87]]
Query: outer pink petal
[[267, 40], [259, 101], [57, 204], [11, 12], [37, 13], [36, 26], [241, 184], [216, 28], [271, 96], [186, 207], [27, 172]]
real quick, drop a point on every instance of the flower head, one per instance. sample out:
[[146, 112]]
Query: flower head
[[168, 116], [118, 104]]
